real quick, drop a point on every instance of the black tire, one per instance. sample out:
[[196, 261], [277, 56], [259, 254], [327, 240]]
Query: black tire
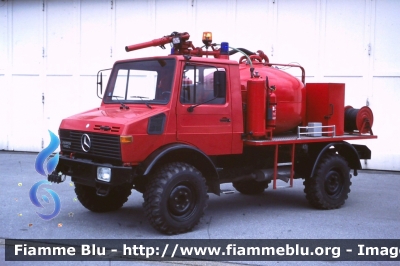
[[251, 187], [330, 186], [95, 203], [175, 198]]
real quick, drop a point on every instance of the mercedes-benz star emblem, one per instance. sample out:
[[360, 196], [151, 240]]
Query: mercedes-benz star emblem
[[85, 142]]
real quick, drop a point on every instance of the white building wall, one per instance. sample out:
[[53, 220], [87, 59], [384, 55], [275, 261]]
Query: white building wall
[[53, 49]]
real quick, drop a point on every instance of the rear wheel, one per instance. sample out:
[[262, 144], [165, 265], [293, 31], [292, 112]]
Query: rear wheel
[[330, 186], [93, 202], [251, 187], [175, 198]]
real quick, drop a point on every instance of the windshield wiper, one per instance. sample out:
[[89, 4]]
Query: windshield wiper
[[191, 108], [141, 98], [123, 106]]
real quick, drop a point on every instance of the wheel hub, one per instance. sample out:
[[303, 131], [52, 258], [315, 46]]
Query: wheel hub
[[180, 200], [333, 183]]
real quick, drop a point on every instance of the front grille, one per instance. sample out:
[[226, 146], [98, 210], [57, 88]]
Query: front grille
[[102, 145]]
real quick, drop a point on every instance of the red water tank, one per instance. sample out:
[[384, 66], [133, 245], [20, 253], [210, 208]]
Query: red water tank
[[290, 94]]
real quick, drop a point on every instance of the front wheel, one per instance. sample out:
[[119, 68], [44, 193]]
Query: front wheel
[[175, 198], [329, 187]]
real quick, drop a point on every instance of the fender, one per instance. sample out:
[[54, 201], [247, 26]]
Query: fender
[[344, 149], [184, 153]]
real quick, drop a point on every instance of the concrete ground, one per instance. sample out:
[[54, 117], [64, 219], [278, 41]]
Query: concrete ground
[[371, 212]]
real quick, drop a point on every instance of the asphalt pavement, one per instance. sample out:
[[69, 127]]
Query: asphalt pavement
[[372, 211]]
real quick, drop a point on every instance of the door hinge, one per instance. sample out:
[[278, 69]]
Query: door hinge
[[112, 4], [369, 49], [43, 54], [43, 98], [111, 51], [43, 5], [42, 143]]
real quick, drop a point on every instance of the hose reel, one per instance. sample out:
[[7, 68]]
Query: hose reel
[[358, 119]]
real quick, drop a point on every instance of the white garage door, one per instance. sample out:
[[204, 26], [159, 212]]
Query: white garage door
[[53, 49]]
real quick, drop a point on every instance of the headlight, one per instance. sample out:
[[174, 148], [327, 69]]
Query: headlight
[[104, 174]]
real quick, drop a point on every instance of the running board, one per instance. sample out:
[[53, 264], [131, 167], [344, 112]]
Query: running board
[[227, 191]]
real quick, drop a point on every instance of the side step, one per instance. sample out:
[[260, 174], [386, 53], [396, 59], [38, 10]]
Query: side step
[[227, 191]]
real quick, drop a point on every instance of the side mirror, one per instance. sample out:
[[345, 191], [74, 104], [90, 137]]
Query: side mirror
[[100, 82], [219, 84]]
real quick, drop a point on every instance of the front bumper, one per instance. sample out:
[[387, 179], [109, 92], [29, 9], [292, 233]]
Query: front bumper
[[84, 171]]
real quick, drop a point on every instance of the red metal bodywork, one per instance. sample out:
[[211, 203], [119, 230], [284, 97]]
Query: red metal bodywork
[[325, 104], [176, 127], [203, 127], [219, 129], [129, 122]]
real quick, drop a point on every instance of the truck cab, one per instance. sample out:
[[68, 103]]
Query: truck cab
[[154, 110]]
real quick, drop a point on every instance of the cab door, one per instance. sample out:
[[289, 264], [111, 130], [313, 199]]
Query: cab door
[[204, 109]]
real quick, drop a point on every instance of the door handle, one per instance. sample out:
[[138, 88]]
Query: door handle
[[225, 119]]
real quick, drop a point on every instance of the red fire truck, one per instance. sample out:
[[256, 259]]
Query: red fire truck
[[176, 127]]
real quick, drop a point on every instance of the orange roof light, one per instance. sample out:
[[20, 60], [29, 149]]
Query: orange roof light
[[207, 38]]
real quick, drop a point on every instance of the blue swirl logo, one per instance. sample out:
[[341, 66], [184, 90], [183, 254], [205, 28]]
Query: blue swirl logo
[[51, 166], [45, 153], [35, 200]]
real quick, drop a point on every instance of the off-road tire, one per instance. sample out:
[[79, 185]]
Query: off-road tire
[[330, 186], [95, 203], [175, 198], [251, 187]]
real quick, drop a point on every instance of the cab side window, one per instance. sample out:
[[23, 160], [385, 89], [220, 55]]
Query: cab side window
[[203, 84]]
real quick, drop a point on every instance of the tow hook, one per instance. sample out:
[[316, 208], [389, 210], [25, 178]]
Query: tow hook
[[56, 178], [102, 190]]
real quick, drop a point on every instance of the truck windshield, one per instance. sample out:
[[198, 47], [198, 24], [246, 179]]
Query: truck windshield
[[148, 82]]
